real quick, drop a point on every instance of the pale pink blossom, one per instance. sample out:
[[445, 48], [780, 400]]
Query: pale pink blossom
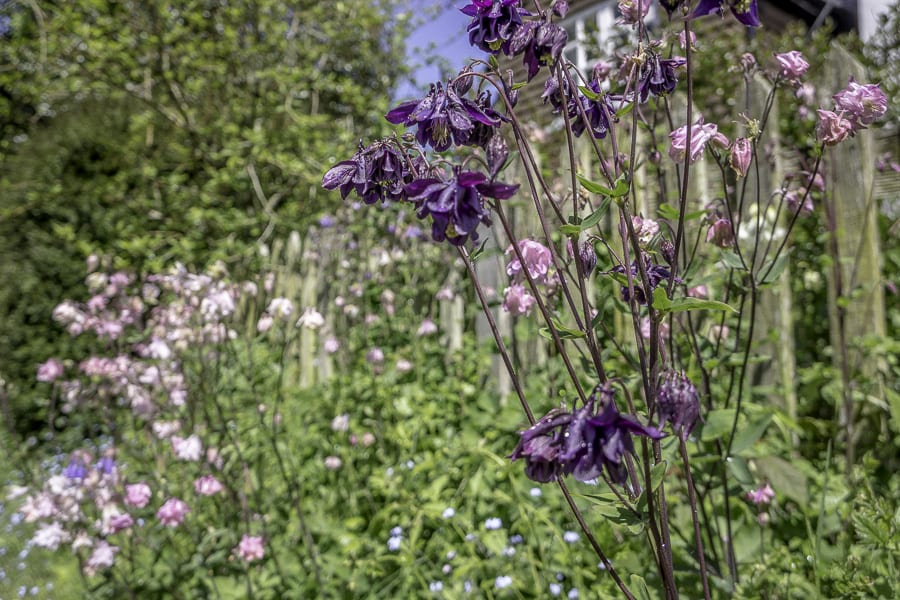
[[38, 507], [792, 65], [333, 463], [367, 439], [445, 293], [863, 104], [331, 345], [251, 548], [190, 448], [340, 423], [701, 135], [375, 356], [833, 128], [265, 323], [683, 42], [517, 300], [165, 429], [537, 257], [103, 557], [761, 495], [137, 495], [207, 486], [403, 365], [427, 327], [173, 512], [698, 291], [50, 371], [633, 11], [644, 229]]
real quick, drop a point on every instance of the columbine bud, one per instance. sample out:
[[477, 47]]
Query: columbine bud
[[741, 152], [496, 153], [720, 233], [601, 70], [679, 403], [748, 62], [560, 8], [588, 257], [667, 249], [463, 82]]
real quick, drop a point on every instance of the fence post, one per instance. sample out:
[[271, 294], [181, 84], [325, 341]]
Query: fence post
[[855, 296]]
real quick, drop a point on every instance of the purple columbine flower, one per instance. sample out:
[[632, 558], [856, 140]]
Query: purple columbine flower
[[494, 22], [540, 44], [444, 118], [679, 403], [377, 173], [655, 274], [743, 10], [76, 470], [657, 75], [599, 107], [721, 233], [741, 153], [456, 205], [791, 65], [106, 465], [580, 443]]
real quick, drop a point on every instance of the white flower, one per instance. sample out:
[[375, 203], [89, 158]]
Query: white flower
[[435, 586], [493, 523], [311, 319], [280, 307], [340, 422], [102, 557], [50, 536], [535, 492], [393, 543], [504, 581], [571, 537], [555, 589], [448, 513], [187, 448]]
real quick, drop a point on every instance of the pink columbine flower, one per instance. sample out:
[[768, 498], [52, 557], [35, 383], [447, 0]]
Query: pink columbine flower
[[517, 300], [189, 448], [137, 495], [251, 548], [445, 293], [863, 104], [207, 486], [683, 42], [265, 323], [537, 259], [741, 152], [833, 128], [173, 512], [701, 134], [792, 65], [427, 327], [50, 371], [644, 229], [720, 233], [762, 495]]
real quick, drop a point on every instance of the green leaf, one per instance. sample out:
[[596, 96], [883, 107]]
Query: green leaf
[[740, 470], [733, 260], [784, 477], [688, 303], [661, 301], [620, 189], [565, 333], [477, 254], [718, 423], [639, 587], [625, 110], [594, 218], [657, 474], [667, 211], [588, 92], [570, 230], [749, 434], [777, 267]]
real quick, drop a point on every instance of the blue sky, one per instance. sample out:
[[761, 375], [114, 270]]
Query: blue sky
[[443, 37]]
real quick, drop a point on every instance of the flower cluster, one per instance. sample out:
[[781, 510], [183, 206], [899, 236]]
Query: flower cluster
[[446, 117], [581, 443], [538, 262], [377, 173], [855, 107], [655, 274]]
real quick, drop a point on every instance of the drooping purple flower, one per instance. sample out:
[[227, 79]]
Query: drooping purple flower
[[743, 10], [494, 22], [679, 403], [377, 173], [741, 153], [580, 443], [655, 274], [456, 204], [444, 118], [539, 43], [106, 465], [657, 75], [599, 107], [721, 233]]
